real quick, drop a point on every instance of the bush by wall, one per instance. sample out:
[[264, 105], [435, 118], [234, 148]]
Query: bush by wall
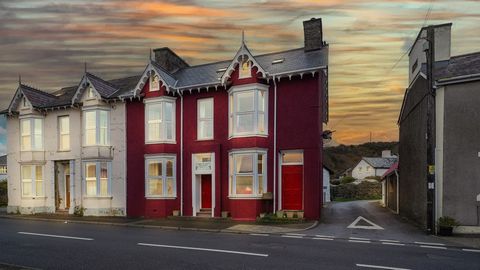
[[364, 191], [347, 179], [3, 193]]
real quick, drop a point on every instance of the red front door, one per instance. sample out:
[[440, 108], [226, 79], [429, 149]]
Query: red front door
[[207, 191], [292, 187]]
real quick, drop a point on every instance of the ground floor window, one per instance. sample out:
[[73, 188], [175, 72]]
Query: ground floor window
[[97, 178], [160, 177], [248, 171], [32, 180]]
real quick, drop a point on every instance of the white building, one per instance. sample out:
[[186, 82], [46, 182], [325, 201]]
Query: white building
[[326, 184], [67, 150], [374, 166]]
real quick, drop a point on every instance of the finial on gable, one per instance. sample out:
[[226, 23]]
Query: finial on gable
[[150, 56], [243, 37], [85, 66], [19, 79]]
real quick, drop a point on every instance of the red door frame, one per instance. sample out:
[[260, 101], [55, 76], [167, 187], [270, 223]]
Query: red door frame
[[281, 183]]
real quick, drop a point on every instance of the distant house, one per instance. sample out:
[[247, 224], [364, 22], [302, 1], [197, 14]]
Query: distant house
[[390, 188], [374, 166], [3, 168], [327, 172], [452, 175]]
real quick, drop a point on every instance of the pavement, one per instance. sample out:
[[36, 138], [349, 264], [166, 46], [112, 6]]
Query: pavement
[[53, 245]]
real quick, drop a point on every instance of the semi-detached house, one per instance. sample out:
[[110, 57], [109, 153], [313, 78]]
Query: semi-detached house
[[237, 137]]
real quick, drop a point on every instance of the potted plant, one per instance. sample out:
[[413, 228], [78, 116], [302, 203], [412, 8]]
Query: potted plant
[[446, 225]]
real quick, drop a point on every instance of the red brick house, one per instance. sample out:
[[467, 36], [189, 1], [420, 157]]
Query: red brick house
[[241, 136]]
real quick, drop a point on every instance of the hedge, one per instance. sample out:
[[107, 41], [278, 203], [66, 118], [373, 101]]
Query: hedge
[[365, 190]]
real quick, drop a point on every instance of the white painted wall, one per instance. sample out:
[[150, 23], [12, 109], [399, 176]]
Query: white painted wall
[[362, 170], [114, 205], [326, 185]]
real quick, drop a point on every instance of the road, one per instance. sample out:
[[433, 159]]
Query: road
[[50, 245]]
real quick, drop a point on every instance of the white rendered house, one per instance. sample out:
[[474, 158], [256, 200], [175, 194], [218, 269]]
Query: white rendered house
[[373, 166]]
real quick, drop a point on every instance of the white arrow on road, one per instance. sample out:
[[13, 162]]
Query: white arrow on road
[[372, 225]]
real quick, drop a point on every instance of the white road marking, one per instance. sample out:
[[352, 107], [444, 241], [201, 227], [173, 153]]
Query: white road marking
[[359, 238], [57, 236], [205, 249], [321, 238], [380, 267], [372, 225], [435, 247], [359, 241], [430, 244], [296, 234], [292, 236], [393, 244], [471, 250], [324, 236], [391, 241], [260, 234]]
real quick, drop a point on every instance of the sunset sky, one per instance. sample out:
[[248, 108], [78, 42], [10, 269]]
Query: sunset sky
[[47, 42]]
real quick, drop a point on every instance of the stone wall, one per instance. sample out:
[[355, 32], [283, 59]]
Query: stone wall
[[365, 190]]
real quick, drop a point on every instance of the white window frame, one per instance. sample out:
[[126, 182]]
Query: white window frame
[[97, 127], [61, 133], [91, 92], [232, 110], [163, 159], [152, 89], [162, 101], [245, 74], [232, 181], [200, 137], [33, 146], [32, 180], [98, 176]]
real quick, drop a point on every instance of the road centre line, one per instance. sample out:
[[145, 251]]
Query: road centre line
[[391, 241], [471, 250], [292, 236], [435, 247], [57, 236], [359, 241], [296, 234], [393, 244], [429, 244], [260, 234], [205, 249], [359, 238], [322, 238], [380, 267]]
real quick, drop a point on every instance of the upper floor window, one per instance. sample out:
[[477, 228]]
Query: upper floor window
[[205, 119], [31, 130], [32, 180], [96, 127], [245, 70], [154, 83], [64, 133], [160, 120], [248, 110], [90, 92], [247, 173], [97, 178], [3, 169], [160, 180]]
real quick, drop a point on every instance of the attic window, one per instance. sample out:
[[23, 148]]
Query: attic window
[[245, 70], [24, 102], [278, 61], [154, 83], [90, 92], [221, 70]]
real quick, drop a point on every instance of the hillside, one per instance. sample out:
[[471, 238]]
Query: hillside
[[339, 158]]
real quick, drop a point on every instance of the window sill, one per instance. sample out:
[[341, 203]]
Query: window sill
[[96, 145], [98, 197], [247, 135], [159, 198], [205, 140], [64, 151], [160, 142], [253, 197], [34, 197]]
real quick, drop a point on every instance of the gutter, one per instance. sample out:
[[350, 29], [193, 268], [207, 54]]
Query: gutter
[[274, 144], [458, 79], [181, 153]]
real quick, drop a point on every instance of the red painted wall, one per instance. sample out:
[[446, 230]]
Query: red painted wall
[[298, 127]]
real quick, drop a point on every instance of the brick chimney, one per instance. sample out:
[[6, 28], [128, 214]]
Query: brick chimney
[[313, 33], [169, 60]]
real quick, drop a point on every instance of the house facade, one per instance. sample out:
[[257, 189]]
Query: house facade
[[452, 102], [327, 173], [238, 137], [373, 166]]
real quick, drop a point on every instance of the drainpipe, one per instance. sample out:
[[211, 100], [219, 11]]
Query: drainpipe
[[181, 153], [398, 202], [274, 144]]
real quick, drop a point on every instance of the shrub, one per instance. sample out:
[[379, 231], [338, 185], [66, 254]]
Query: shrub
[[363, 191], [3, 193], [378, 178], [79, 211], [447, 222], [347, 179], [335, 182]]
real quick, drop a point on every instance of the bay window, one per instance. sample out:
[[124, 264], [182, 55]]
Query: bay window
[[64, 133], [97, 176], [96, 126], [32, 180], [160, 120], [160, 177], [205, 119], [31, 130], [247, 173], [248, 110]]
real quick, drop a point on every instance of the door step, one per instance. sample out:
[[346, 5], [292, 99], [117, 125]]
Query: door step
[[62, 212], [205, 212]]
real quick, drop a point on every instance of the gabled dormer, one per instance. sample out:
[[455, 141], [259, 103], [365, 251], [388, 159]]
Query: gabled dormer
[[244, 65], [154, 79], [93, 89]]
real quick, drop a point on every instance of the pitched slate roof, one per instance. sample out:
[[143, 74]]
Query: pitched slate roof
[[379, 162], [3, 160], [460, 65], [37, 98], [104, 88], [391, 170]]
